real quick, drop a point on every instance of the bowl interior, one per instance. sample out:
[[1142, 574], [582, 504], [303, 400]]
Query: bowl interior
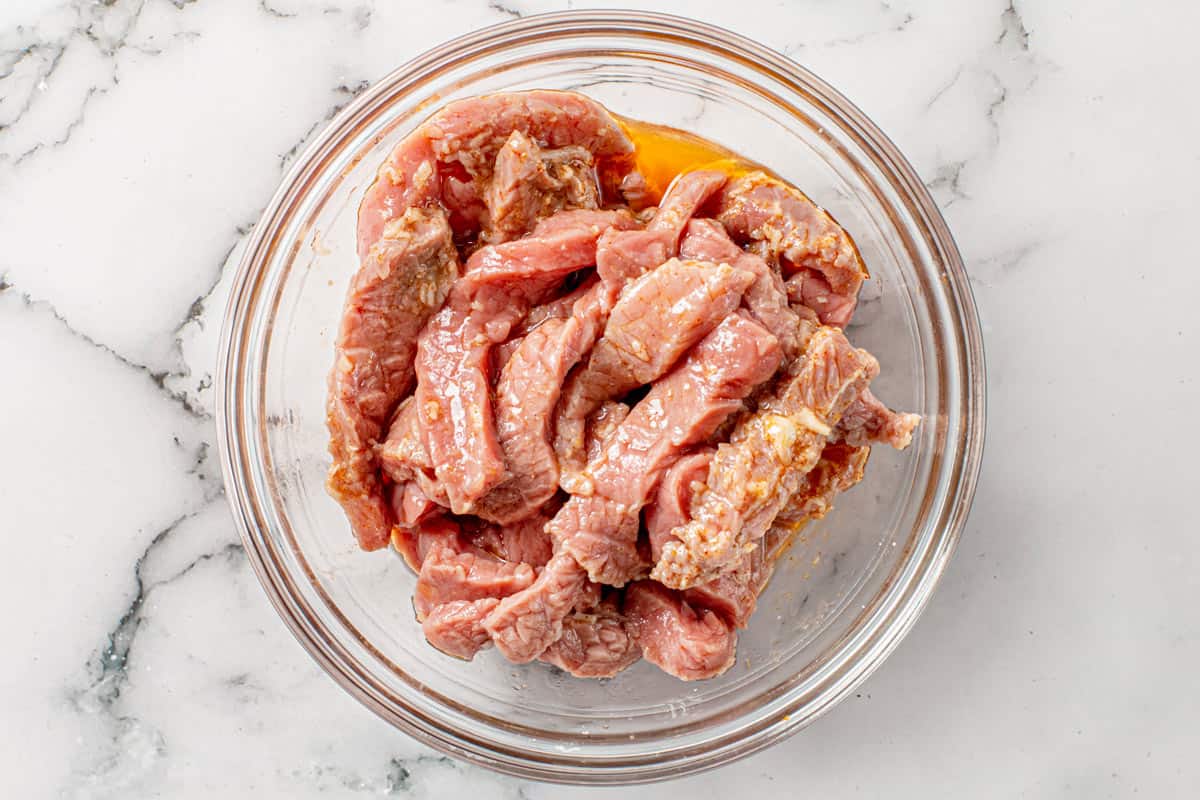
[[840, 578]]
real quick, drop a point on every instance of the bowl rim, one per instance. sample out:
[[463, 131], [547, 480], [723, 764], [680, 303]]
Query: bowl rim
[[879, 639]]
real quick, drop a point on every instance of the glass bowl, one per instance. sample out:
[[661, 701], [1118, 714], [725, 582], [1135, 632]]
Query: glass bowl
[[848, 590]]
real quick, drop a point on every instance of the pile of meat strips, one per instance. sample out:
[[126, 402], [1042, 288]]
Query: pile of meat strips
[[592, 430]]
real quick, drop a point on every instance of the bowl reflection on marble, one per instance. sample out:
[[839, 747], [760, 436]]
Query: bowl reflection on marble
[[847, 591]]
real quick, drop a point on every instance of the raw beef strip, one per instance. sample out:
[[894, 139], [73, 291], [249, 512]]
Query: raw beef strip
[[407, 179], [683, 198], [463, 201], [402, 454], [841, 467], [622, 257], [472, 131], [530, 266], [411, 504], [453, 353], [599, 528], [658, 318], [404, 459], [598, 221], [868, 421], [415, 543], [523, 625], [448, 574], [691, 644], [525, 541], [809, 288], [661, 315], [526, 395], [451, 156], [589, 597], [794, 232], [757, 471], [456, 628], [454, 398], [403, 280], [603, 424], [766, 299], [503, 353], [595, 643], [531, 183], [558, 308], [734, 594], [673, 502]]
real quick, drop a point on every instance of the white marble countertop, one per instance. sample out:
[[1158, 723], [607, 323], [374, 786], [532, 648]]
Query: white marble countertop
[[140, 139]]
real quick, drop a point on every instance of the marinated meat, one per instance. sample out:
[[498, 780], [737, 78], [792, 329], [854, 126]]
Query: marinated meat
[[684, 379], [411, 504], [766, 299], [403, 281], [405, 460], [526, 395], [450, 574], [766, 458], [596, 643], [868, 421], [599, 526], [416, 542], [796, 234], [590, 597], [841, 467], [524, 541], [503, 353], [808, 288], [531, 266], [407, 180], [622, 257], [402, 453], [734, 594], [530, 184], [602, 424], [673, 502], [452, 155], [691, 644], [471, 132], [659, 317], [558, 308], [453, 395], [683, 198], [456, 628], [524, 624]]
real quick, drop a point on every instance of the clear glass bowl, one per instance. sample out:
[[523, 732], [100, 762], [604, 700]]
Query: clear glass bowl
[[848, 591]]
